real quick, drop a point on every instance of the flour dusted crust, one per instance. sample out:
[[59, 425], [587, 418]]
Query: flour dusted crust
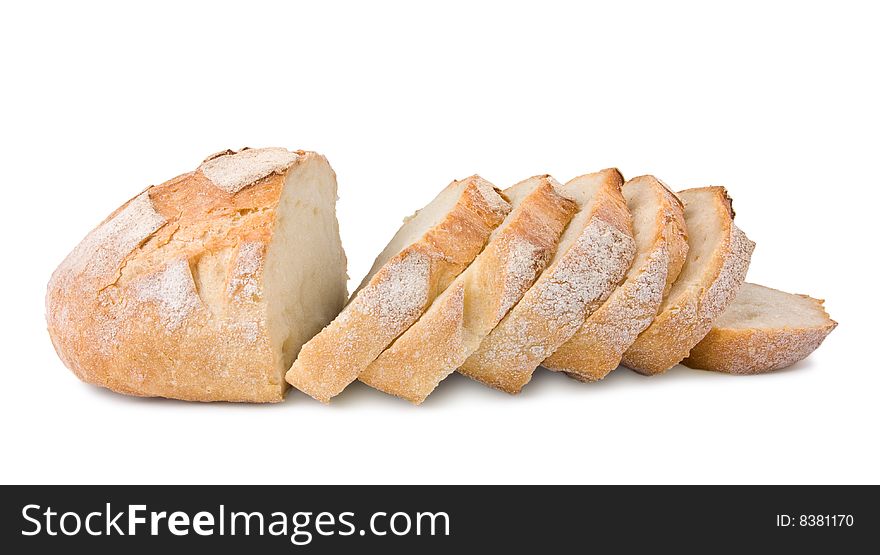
[[166, 296], [398, 293], [580, 277], [687, 314], [597, 347], [738, 348], [447, 334]]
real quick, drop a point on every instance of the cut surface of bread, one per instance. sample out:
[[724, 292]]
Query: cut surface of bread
[[715, 267], [431, 248], [457, 321], [762, 330], [661, 246], [204, 287], [593, 255]]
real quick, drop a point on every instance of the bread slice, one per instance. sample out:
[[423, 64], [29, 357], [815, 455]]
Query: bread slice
[[431, 248], [593, 255], [762, 330], [717, 260], [661, 246], [204, 287], [455, 324]]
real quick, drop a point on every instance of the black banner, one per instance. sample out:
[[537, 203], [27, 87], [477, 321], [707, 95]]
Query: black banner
[[316, 519]]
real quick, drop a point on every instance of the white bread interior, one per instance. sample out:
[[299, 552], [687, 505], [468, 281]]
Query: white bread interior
[[705, 235], [761, 307], [414, 227], [303, 263], [644, 205]]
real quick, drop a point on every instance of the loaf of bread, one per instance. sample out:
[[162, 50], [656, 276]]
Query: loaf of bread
[[763, 330], [204, 287], [431, 248], [228, 283]]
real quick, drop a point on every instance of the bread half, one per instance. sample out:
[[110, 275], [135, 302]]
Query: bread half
[[593, 255], [457, 321], [762, 330], [431, 248], [661, 246], [717, 260], [204, 287]]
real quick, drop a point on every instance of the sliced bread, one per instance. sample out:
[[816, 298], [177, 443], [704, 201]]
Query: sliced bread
[[661, 246], [594, 253], [458, 320], [431, 248], [717, 260], [204, 288], [762, 330]]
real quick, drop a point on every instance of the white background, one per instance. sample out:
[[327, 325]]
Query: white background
[[777, 101]]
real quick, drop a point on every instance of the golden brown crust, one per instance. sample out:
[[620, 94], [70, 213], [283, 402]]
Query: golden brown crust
[[130, 308], [433, 347], [573, 286], [758, 350], [597, 347], [685, 319], [398, 294]]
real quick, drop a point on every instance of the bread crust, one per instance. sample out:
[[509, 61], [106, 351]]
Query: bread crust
[[134, 308], [571, 288], [398, 294], [758, 350], [452, 328], [685, 320], [598, 346]]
